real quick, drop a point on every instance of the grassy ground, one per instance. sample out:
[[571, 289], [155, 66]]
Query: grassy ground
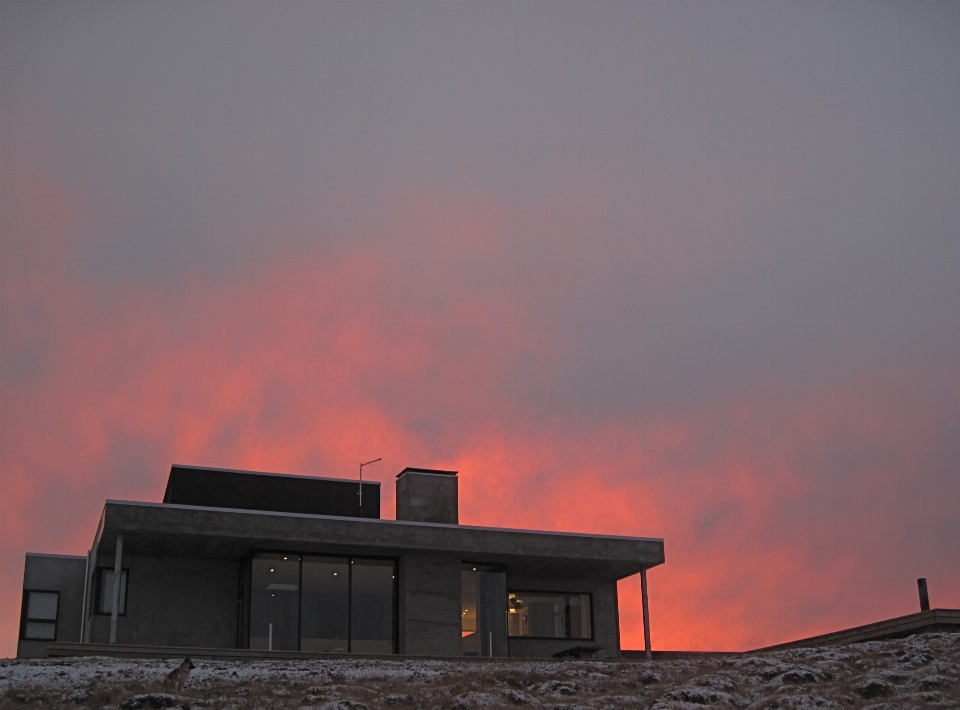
[[918, 672]]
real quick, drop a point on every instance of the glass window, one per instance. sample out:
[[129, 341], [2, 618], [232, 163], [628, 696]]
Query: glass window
[[483, 592], [540, 615], [325, 606], [275, 602], [322, 604], [371, 608], [105, 591], [40, 622]]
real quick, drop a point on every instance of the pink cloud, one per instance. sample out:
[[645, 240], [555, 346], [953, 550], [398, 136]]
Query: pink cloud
[[406, 347]]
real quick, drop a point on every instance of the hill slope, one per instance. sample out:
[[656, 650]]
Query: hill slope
[[918, 672]]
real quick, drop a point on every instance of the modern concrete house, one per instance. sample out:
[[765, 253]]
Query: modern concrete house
[[270, 562]]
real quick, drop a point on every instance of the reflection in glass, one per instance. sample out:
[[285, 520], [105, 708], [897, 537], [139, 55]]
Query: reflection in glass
[[371, 617], [42, 606], [549, 615], [275, 602], [105, 604], [326, 603], [484, 610]]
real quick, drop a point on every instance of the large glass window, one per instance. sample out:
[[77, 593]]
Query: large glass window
[[105, 591], [40, 615], [556, 616], [275, 602], [322, 604], [371, 609], [483, 592], [326, 604]]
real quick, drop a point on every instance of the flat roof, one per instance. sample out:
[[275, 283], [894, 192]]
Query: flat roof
[[222, 533], [430, 471]]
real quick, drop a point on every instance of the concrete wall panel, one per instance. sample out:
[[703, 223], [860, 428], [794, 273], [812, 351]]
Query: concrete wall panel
[[429, 604], [425, 497], [55, 573], [176, 602]]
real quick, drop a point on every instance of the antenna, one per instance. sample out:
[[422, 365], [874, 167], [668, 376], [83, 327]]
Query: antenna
[[361, 483]]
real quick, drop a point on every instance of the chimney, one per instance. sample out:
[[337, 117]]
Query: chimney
[[924, 597], [425, 495]]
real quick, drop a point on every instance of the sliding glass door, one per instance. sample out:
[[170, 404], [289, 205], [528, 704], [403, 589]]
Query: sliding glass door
[[275, 602], [483, 591], [371, 606], [322, 604], [326, 605]]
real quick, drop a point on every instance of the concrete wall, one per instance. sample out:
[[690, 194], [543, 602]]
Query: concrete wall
[[175, 602], [606, 622], [427, 497], [55, 573], [429, 605]]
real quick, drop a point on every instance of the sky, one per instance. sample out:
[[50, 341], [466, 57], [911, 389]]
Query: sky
[[666, 269]]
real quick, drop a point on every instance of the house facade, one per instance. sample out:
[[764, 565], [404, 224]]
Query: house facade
[[270, 562]]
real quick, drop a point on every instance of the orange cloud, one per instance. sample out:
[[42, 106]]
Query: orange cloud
[[408, 347]]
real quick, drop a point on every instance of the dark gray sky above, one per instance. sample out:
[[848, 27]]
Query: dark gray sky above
[[679, 206]]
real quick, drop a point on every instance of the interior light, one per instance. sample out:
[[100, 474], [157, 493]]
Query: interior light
[[474, 569], [271, 569], [334, 574], [284, 558]]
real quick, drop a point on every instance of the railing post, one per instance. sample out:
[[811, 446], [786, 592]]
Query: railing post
[[117, 572], [646, 614]]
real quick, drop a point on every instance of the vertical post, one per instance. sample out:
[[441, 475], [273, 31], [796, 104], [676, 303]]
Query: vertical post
[[924, 597], [83, 606], [646, 614], [117, 572]]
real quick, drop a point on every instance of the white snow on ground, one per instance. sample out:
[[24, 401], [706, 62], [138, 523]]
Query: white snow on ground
[[922, 671]]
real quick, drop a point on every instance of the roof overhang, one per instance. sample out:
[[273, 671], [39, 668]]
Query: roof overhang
[[222, 533]]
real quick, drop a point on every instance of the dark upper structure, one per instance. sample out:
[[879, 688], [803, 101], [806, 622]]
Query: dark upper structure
[[243, 560], [280, 493]]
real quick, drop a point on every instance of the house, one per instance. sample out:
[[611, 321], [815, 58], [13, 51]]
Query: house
[[272, 562]]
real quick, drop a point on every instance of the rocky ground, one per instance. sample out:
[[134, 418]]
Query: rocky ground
[[918, 672]]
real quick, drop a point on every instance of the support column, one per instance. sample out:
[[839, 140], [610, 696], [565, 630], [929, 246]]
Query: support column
[[117, 572], [83, 608], [646, 614]]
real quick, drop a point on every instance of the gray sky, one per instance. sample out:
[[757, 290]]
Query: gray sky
[[698, 255]]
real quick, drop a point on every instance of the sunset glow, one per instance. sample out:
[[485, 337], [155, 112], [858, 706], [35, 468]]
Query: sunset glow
[[587, 293]]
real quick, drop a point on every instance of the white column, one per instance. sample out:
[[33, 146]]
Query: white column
[[117, 571], [646, 614]]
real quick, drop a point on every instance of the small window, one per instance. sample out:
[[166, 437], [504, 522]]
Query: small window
[[40, 617], [105, 591], [554, 616]]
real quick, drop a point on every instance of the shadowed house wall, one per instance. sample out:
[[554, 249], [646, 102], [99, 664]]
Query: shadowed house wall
[[54, 573], [175, 602]]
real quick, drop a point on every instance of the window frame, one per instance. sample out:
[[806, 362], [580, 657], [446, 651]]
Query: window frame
[[543, 592], [246, 603], [25, 618], [98, 597]]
